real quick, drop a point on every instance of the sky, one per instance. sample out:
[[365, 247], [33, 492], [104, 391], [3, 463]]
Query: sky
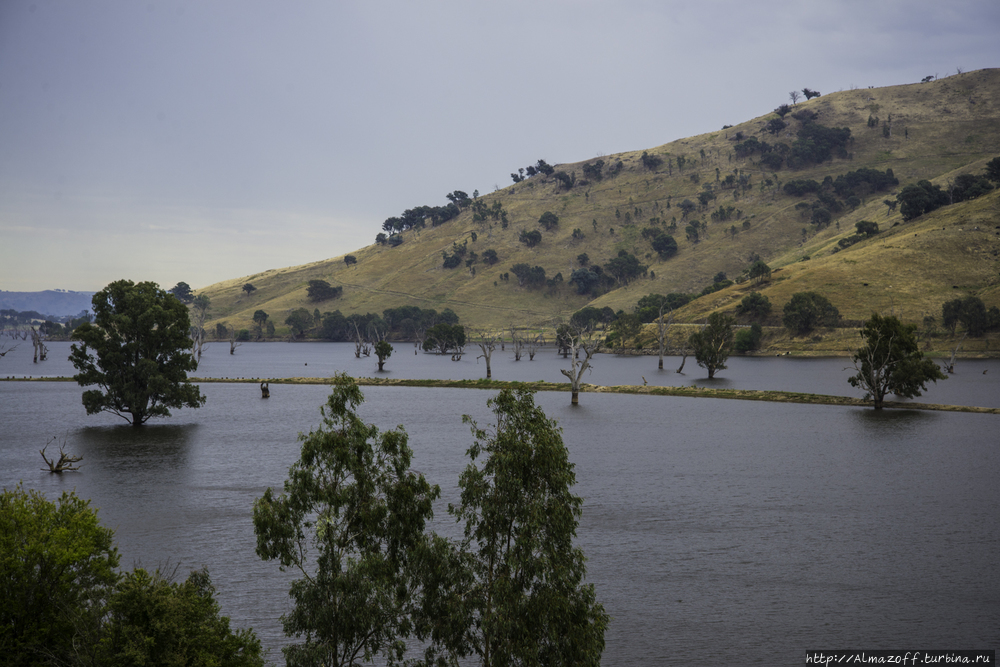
[[205, 140]]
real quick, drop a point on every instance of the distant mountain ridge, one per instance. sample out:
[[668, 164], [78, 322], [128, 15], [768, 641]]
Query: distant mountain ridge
[[55, 303]]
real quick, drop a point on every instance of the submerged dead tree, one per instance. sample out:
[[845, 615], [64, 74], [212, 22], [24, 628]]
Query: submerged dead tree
[[487, 343], [38, 342], [581, 340], [64, 463]]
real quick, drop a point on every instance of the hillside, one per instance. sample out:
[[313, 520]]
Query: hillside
[[934, 131]]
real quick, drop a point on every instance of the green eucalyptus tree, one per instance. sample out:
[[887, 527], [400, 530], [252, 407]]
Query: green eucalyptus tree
[[712, 344], [526, 599], [135, 351], [351, 523], [891, 362]]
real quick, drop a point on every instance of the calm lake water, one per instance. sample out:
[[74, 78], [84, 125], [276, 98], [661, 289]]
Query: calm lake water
[[717, 532]]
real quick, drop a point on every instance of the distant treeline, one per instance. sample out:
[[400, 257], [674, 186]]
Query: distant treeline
[[403, 323]]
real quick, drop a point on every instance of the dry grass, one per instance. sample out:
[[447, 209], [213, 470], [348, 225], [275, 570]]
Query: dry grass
[[940, 129]]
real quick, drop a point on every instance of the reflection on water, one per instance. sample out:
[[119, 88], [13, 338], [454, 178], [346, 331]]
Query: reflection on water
[[717, 532]]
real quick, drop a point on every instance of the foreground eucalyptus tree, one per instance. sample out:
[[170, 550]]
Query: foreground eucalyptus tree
[[525, 595], [351, 522]]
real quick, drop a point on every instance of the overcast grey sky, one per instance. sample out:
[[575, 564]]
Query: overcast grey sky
[[203, 140]]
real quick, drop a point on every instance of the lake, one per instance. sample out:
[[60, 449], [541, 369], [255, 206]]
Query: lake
[[716, 531]]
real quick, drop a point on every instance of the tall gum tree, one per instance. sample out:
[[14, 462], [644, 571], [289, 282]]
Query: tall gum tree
[[890, 361], [135, 351], [351, 523], [528, 602]]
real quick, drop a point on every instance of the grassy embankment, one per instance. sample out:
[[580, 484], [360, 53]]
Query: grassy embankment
[[685, 392]]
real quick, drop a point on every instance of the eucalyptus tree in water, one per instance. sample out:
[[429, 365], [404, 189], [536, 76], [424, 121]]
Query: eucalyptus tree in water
[[891, 361], [350, 522], [135, 351], [712, 344], [526, 599]]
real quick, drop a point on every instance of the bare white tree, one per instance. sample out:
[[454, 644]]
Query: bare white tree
[[582, 341], [487, 343]]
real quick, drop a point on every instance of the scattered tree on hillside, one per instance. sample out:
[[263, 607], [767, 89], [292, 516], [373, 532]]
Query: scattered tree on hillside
[[808, 310], [136, 353], [183, 292], [755, 306], [794, 97], [249, 288], [759, 272], [530, 239], [350, 260], [664, 245], [971, 313], [748, 340], [548, 220], [993, 170], [810, 93], [890, 362], [650, 162], [320, 290]]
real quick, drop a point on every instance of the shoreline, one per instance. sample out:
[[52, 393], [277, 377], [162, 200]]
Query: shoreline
[[683, 392]]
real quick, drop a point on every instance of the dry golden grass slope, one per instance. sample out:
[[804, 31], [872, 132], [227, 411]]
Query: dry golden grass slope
[[939, 130]]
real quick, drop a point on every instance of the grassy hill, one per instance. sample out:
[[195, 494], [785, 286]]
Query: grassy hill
[[936, 131]]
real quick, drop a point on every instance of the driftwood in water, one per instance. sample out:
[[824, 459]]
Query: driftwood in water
[[265, 391], [64, 463]]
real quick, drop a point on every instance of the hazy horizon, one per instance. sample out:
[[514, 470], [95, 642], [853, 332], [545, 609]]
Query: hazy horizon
[[203, 141]]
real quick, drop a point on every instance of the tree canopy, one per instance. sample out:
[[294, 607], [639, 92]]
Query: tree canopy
[[444, 337], [712, 344], [526, 598], [65, 603], [136, 352], [890, 362], [808, 310], [357, 576]]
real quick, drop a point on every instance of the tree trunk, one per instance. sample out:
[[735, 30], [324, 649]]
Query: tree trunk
[[661, 363], [576, 397]]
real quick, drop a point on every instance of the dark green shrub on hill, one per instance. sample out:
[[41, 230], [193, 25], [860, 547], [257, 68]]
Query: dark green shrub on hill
[[648, 307], [530, 239], [548, 220], [320, 290], [919, 198], [651, 161], [808, 310], [748, 340], [864, 181], [817, 143], [528, 276], [664, 245], [754, 306], [801, 187]]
